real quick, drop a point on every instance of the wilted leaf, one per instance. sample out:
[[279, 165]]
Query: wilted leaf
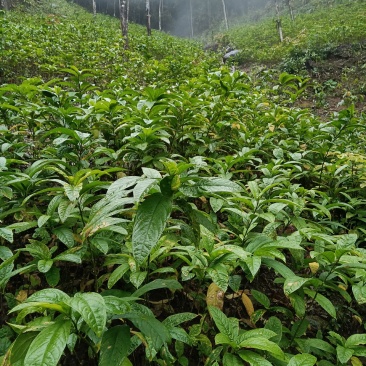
[[215, 296], [247, 303]]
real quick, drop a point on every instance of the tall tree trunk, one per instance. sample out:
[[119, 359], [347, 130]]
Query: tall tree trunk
[[5, 4], [114, 8], [123, 16], [278, 21], [191, 17], [290, 8], [209, 15], [225, 14], [160, 13], [148, 18], [94, 8]]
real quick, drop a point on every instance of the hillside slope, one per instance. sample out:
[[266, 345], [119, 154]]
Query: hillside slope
[[42, 40], [158, 208], [327, 44]]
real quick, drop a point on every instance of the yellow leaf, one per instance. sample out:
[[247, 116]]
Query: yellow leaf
[[22, 296], [356, 361], [342, 286], [314, 266], [247, 303], [358, 319], [215, 296]]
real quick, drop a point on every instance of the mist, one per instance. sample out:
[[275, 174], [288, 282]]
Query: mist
[[185, 18]]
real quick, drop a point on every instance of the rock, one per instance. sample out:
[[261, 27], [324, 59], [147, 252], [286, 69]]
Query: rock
[[230, 55]]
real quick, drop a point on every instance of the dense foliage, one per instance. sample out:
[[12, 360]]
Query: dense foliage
[[311, 35], [156, 208]]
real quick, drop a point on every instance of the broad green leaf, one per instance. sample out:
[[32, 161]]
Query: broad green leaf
[[238, 251], [302, 360], [48, 346], [20, 348], [299, 328], [219, 275], [150, 222], [275, 208], [92, 308], [137, 278], [5, 253], [100, 244], [181, 335], [51, 295], [288, 242], [177, 319], [293, 283], [275, 325], [279, 267], [347, 241], [117, 305], [151, 173], [115, 345], [323, 302], [6, 267], [231, 360], [359, 292], [117, 274], [261, 298], [256, 333], [157, 284], [254, 359], [53, 276], [221, 338], [265, 345], [142, 187], [7, 234], [223, 323], [64, 209], [6, 192], [298, 303], [122, 184], [216, 203], [355, 340], [151, 328], [42, 220], [44, 265], [195, 188], [73, 192], [320, 344], [68, 257], [344, 354], [32, 307], [65, 235], [214, 184], [19, 227], [254, 189], [254, 263]]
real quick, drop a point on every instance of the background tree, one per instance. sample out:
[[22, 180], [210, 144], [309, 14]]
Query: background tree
[[160, 13], [278, 21], [225, 14], [191, 17], [94, 7], [123, 14], [5, 4], [148, 17], [290, 8]]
